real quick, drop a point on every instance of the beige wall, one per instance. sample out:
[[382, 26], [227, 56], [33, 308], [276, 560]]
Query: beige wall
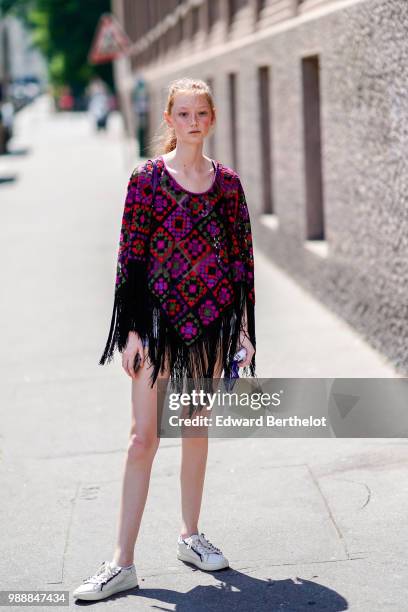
[[360, 267]]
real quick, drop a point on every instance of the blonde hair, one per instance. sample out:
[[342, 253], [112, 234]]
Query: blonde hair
[[165, 139]]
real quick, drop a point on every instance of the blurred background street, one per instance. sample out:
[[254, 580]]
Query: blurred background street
[[311, 512]]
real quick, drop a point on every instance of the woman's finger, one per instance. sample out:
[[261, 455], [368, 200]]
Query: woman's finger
[[247, 361], [126, 362], [131, 359], [132, 370]]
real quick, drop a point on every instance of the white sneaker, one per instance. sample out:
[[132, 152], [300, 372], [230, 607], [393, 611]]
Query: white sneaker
[[109, 579], [198, 550]]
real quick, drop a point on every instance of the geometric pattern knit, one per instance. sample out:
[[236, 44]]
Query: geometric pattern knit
[[185, 272]]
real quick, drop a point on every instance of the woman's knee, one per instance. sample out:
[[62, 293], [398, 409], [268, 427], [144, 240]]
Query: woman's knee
[[142, 446]]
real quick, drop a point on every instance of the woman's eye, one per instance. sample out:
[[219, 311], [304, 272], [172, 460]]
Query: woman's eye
[[183, 113]]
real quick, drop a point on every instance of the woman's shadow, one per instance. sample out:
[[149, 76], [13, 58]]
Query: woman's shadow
[[240, 592]]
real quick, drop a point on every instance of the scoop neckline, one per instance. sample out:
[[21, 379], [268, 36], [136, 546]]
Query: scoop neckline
[[213, 161]]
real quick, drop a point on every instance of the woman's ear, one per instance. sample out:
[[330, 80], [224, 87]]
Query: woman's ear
[[214, 120], [167, 119]]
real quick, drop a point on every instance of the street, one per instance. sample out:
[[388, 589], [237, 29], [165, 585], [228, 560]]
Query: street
[[312, 523]]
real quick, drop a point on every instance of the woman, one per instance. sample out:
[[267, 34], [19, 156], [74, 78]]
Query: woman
[[184, 304]]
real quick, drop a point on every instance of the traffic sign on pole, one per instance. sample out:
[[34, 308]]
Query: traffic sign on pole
[[110, 41]]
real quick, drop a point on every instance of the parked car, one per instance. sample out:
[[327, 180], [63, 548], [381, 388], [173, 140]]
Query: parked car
[[6, 124]]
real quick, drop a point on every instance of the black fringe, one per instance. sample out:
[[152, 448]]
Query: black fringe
[[130, 311], [135, 308]]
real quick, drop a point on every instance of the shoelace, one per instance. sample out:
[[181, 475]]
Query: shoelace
[[104, 572], [207, 544], [197, 545]]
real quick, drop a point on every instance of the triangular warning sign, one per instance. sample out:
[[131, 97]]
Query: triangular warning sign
[[110, 41]]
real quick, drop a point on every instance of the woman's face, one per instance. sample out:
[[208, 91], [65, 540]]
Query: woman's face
[[190, 116]]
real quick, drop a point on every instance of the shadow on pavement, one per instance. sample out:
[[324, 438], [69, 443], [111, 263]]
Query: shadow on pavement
[[8, 179], [240, 592], [17, 152]]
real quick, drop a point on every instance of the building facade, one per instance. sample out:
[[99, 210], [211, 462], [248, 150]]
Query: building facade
[[312, 111]]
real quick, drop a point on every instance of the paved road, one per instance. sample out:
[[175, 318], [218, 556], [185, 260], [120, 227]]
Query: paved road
[[308, 524]]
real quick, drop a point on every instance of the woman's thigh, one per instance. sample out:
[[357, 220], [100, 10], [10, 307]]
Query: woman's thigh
[[145, 400], [195, 431]]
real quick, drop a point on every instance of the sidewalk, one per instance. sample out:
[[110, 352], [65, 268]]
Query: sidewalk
[[306, 523]]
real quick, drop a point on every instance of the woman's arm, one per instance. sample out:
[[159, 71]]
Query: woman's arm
[[130, 308], [243, 275]]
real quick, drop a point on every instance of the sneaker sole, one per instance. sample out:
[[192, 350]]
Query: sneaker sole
[[204, 566], [104, 594]]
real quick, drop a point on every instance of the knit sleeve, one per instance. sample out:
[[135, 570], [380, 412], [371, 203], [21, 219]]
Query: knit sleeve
[[134, 230], [130, 307], [243, 257], [243, 265]]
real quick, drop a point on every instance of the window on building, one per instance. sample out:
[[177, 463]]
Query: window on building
[[211, 140], [259, 5], [195, 20], [231, 10], [180, 30], [162, 43], [312, 148], [265, 137], [233, 7], [232, 87], [168, 41], [212, 13]]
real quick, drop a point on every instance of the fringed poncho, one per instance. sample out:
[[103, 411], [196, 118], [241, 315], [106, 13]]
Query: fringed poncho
[[185, 273]]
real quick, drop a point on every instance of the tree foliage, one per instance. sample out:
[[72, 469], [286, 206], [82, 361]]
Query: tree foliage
[[64, 30]]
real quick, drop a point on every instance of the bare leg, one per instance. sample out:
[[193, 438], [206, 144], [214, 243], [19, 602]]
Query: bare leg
[[193, 465], [143, 444]]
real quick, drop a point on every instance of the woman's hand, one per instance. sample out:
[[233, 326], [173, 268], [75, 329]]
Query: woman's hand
[[247, 344], [134, 345]]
